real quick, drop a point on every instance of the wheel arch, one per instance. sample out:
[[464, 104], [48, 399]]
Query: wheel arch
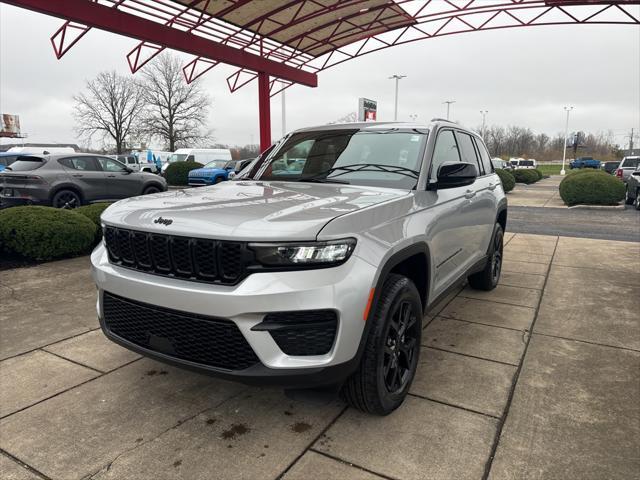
[[153, 184], [412, 262], [67, 186]]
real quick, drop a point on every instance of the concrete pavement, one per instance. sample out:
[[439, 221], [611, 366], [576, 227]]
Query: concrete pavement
[[537, 379]]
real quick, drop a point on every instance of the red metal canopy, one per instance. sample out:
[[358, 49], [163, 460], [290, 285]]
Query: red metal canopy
[[292, 40]]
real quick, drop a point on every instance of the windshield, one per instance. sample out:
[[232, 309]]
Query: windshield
[[381, 158], [24, 164], [217, 164], [526, 163], [177, 157]]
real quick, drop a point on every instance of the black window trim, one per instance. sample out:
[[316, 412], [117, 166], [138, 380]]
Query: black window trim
[[479, 143]]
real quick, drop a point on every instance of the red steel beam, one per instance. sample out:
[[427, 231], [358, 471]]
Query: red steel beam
[[105, 18], [264, 104]]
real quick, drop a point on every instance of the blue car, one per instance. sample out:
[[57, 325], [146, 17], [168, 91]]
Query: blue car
[[213, 172]]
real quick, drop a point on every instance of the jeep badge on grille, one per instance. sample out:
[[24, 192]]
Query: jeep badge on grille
[[163, 221]]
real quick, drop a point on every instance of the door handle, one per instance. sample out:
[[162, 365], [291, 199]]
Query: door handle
[[111, 176], [492, 186], [469, 193], [77, 175]]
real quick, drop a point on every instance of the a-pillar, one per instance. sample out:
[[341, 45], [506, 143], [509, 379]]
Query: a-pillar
[[264, 105]]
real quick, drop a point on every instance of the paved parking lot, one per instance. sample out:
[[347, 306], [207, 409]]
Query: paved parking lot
[[537, 379]]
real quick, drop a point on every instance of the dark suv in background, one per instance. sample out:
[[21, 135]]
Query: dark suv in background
[[71, 180]]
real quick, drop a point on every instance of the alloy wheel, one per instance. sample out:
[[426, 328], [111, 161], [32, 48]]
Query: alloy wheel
[[67, 200], [496, 259], [400, 348]]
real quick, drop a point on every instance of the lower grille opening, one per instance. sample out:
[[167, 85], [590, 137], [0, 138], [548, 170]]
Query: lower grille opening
[[302, 333], [210, 341]]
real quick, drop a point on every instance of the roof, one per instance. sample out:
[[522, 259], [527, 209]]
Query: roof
[[312, 27]]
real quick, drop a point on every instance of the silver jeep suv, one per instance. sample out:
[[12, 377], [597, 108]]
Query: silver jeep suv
[[315, 267]]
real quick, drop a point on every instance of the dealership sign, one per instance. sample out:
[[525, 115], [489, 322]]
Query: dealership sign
[[367, 110], [10, 126]]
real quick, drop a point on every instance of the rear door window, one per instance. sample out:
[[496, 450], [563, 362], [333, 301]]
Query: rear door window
[[87, 164], [468, 151], [484, 156]]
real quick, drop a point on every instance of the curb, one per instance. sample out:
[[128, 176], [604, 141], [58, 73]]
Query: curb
[[598, 207], [178, 187]]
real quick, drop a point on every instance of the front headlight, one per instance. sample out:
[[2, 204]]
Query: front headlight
[[304, 253]]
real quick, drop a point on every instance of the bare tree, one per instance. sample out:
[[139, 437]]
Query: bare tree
[[111, 107], [176, 111]]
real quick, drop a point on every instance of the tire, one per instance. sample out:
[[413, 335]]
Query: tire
[[151, 189], [628, 197], [218, 180], [66, 199], [636, 203], [488, 278], [391, 353]]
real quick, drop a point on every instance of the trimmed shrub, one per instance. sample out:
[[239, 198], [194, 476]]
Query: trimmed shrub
[[539, 173], [93, 212], [178, 173], [591, 187], [523, 175], [508, 182], [44, 233]]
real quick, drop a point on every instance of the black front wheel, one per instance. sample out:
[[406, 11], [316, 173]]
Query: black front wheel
[[66, 199], [488, 278], [150, 190], [391, 352]]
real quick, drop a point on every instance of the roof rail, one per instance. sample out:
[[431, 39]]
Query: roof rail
[[441, 120]]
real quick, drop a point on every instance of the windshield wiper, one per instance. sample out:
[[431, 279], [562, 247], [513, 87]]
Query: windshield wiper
[[363, 167], [315, 179]]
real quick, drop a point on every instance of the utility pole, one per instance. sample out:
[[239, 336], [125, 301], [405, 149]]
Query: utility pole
[[484, 120], [566, 133], [448, 102], [397, 78], [631, 143]]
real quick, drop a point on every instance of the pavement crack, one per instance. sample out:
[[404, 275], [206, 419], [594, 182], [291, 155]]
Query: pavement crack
[[107, 467]]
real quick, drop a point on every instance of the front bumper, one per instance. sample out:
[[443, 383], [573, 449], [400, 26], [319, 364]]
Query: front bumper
[[344, 289]]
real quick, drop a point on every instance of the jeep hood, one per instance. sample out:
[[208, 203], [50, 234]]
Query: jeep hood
[[246, 210]]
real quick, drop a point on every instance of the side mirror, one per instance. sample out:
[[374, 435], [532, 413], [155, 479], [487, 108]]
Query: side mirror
[[455, 174], [128, 170]]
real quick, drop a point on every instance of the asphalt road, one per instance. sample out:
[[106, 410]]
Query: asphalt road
[[602, 224]]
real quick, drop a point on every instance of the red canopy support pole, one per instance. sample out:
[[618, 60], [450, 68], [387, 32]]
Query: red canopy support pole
[[264, 104]]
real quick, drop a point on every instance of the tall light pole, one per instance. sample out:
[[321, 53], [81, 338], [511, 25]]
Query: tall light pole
[[566, 133], [448, 102], [484, 120], [397, 78]]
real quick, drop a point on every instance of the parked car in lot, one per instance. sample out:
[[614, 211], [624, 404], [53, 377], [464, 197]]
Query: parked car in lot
[[200, 155], [6, 159], [216, 172], [633, 188], [316, 278], [610, 167], [137, 164], [213, 172], [627, 165], [68, 181], [519, 163], [499, 163], [584, 162]]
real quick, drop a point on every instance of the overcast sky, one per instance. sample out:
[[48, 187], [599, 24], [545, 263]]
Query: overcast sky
[[522, 76]]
